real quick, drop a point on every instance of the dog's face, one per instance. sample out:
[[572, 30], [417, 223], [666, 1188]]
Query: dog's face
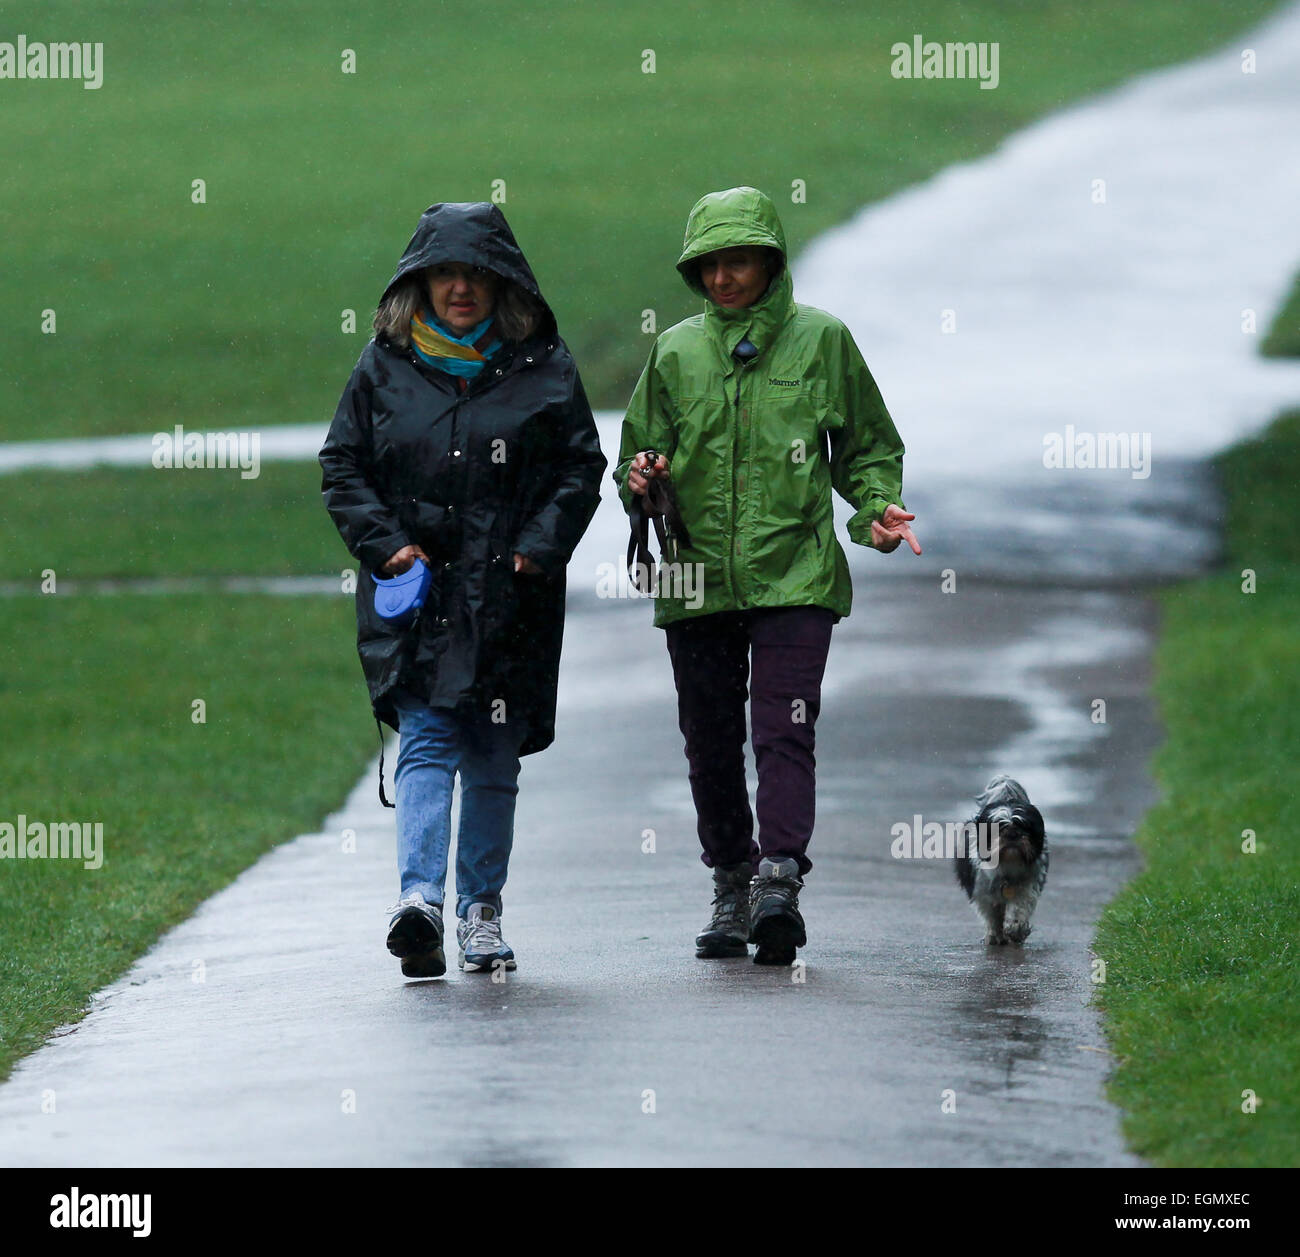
[[1016, 835]]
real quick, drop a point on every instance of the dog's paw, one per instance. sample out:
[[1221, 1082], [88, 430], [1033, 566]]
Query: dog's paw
[[994, 939]]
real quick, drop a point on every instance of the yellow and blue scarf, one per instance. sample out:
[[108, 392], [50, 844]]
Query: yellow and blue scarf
[[440, 347]]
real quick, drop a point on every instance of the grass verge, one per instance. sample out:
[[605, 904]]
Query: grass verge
[[1202, 990], [96, 694], [128, 522], [1283, 339]]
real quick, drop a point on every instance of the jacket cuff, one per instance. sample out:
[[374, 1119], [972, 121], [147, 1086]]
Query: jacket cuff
[[548, 562], [872, 511], [532, 544], [374, 554], [619, 477]]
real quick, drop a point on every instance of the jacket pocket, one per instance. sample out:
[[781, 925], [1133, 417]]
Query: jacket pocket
[[486, 570], [818, 521], [431, 527], [373, 627]]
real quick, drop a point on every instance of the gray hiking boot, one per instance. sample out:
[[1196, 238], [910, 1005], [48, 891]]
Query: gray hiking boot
[[728, 933], [775, 924], [415, 936]]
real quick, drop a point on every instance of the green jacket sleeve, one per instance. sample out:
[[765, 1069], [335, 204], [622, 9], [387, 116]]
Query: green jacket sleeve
[[646, 425], [866, 453]]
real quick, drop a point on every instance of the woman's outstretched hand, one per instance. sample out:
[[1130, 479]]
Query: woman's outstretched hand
[[892, 529], [640, 472], [402, 560], [525, 565]]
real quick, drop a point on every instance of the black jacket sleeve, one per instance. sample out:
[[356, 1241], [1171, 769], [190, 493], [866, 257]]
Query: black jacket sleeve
[[368, 527], [572, 492]]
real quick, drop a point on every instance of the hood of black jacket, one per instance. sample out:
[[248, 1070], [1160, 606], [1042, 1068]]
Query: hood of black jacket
[[475, 233]]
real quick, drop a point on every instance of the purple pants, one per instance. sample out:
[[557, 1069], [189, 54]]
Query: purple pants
[[711, 657]]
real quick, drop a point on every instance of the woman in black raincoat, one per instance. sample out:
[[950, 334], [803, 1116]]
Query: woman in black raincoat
[[463, 440]]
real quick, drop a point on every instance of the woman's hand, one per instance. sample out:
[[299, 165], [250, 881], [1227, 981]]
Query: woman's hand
[[525, 565], [402, 560], [641, 472], [892, 529]]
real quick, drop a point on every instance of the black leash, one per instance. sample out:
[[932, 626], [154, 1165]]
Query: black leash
[[407, 640], [657, 505], [383, 798]]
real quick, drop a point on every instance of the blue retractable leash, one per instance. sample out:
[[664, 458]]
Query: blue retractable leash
[[398, 600]]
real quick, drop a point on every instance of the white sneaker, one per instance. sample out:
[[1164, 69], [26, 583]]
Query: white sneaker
[[479, 939]]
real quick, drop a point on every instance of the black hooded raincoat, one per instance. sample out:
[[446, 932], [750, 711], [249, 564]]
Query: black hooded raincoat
[[512, 463]]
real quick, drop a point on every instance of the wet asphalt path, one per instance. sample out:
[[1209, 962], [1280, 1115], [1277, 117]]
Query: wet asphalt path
[[303, 1045]]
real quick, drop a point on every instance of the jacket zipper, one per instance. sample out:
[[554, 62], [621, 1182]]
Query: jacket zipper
[[735, 502]]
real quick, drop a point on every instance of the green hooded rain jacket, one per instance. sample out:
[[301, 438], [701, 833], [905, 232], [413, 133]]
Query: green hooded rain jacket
[[754, 451]]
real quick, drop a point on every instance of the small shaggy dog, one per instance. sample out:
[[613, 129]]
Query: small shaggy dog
[[1004, 887]]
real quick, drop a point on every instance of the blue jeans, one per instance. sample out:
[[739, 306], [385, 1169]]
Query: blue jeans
[[435, 745]]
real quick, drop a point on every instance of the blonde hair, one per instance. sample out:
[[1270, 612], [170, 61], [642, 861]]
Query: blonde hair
[[516, 312]]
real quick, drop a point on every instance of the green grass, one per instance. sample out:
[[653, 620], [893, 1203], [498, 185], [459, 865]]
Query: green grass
[[95, 695], [230, 311], [1202, 995], [143, 522], [1283, 339]]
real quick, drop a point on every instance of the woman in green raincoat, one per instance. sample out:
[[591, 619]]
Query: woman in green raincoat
[[757, 409]]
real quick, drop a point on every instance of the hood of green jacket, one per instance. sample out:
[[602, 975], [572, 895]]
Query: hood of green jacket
[[727, 220]]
